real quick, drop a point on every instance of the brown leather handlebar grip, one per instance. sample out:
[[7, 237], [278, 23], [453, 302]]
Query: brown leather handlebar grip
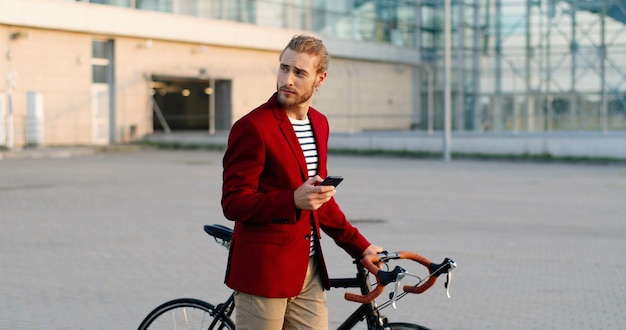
[[367, 298], [371, 263]]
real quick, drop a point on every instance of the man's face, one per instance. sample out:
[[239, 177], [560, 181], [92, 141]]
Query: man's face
[[297, 78]]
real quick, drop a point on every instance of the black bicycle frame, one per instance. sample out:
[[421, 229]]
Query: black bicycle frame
[[369, 312], [226, 308]]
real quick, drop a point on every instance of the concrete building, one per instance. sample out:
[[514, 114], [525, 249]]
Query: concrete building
[[80, 73]]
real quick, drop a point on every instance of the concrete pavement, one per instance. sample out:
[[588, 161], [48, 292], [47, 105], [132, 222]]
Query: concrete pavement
[[96, 241]]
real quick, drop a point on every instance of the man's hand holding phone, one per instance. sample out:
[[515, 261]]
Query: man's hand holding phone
[[332, 181], [313, 193]]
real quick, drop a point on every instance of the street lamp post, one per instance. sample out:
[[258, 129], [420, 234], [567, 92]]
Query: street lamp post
[[447, 136]]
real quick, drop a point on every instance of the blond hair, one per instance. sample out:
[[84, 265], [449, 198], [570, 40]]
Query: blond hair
[[312, 46]]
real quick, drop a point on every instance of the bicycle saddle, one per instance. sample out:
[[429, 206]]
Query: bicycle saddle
[[219, 231]]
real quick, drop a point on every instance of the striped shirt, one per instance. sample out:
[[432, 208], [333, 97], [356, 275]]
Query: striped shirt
[[304, 133]]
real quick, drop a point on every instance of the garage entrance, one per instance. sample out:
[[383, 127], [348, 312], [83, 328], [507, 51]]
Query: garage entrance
[[191, 104]]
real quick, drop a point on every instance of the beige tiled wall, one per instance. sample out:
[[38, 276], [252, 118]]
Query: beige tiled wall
[[53, 58], [358, 95], [56, 65]]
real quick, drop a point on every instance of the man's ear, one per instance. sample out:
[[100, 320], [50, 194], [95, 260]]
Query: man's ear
[[320, 79]]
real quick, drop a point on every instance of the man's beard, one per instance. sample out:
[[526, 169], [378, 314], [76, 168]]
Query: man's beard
[[293, 99]]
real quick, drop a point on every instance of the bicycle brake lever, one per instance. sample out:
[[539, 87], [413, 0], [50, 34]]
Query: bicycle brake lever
[[447, 284], [452, 265], [401, 275]]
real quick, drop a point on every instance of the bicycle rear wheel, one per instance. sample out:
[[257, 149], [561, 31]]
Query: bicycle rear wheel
[[186, 313], [403, 326]]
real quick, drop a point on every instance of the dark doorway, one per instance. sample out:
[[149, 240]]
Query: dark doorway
[[185, 103]]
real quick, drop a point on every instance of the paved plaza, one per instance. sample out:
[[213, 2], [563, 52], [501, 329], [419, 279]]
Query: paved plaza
[[97, 241]]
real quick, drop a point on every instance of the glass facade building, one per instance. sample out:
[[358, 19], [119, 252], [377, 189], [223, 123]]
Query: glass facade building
[[517, 65]]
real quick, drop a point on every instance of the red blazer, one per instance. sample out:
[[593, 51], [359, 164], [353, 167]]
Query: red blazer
[[263, 166]]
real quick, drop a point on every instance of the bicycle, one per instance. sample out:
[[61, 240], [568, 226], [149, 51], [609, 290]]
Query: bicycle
[[191, 313]]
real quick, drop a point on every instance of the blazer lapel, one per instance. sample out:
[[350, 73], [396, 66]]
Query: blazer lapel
[[286, 128], [320, 132]]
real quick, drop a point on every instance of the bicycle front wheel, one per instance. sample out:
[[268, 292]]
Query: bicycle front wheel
[[186, 313], [404, 326]]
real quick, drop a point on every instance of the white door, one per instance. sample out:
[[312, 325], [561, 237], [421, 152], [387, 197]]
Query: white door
[[3, 121], [100, 114]]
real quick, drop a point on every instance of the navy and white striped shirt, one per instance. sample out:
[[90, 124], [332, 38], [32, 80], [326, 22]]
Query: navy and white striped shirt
[[309, 149]]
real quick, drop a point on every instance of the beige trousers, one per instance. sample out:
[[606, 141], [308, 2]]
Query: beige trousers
[[306, 311]]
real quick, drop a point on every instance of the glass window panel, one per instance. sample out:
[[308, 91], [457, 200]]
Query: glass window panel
[[246, 11], [100, 73], [156, 5], [99, 49], [120, 3]]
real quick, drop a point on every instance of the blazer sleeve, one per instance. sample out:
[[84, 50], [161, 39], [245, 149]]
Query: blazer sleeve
[[244, 197], [334, 223]]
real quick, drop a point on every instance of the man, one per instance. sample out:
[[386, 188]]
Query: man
[[275, 160]]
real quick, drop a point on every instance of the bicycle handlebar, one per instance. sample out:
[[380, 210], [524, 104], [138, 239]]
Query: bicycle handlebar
[[373, 263]]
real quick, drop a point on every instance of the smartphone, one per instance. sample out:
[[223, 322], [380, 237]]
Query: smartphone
[[332, 181]]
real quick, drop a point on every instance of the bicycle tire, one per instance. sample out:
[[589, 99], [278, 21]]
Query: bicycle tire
[[403, 326], [185, 313]]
